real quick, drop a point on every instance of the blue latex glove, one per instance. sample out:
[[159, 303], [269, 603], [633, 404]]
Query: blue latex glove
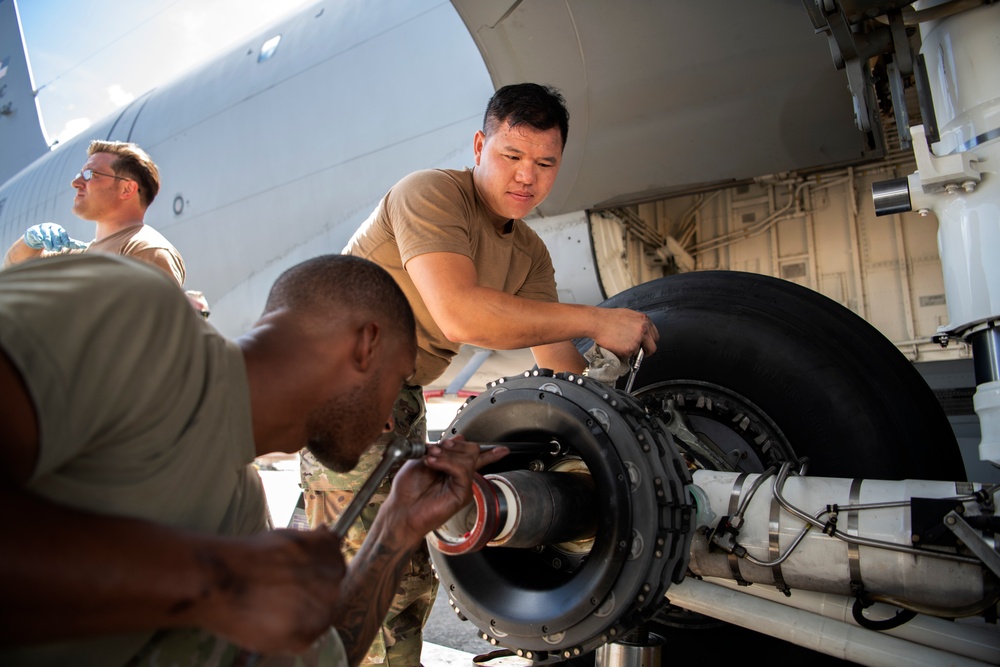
[[50, 236]]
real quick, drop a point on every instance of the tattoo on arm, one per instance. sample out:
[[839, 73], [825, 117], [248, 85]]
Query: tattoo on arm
[[370, 592]]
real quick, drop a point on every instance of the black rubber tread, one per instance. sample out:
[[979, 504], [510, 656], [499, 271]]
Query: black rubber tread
[[841, 393]]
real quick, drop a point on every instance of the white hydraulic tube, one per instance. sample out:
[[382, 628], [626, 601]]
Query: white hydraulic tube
[[971, 638], [810, 630], [822, 563]]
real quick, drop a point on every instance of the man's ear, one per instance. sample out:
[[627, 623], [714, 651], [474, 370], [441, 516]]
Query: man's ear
[[366, 344], [477, 145], [130, 189]]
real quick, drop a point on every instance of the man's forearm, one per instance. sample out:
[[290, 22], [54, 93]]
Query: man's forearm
[[493, 319], [18, 252], [560, 357], [424, 495], [69, 574], [372, 580], [72, 574], [469, 313]]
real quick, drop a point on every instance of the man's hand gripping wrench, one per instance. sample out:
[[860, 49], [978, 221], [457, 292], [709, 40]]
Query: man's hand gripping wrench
[[633, 371], [402, 449], [398, 450]]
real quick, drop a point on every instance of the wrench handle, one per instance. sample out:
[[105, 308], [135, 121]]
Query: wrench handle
[[397, 450]]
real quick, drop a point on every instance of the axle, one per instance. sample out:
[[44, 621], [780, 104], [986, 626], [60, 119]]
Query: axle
[[874, 540]]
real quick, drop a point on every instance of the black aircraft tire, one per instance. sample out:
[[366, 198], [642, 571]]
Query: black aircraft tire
[[836, 389]]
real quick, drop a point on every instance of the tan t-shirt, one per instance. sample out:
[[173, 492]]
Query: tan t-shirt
[[140, 242], [439, 210], [145, 244], [165, 437]]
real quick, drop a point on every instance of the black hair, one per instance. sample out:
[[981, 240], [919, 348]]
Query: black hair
[[334, 284], [540, 107]]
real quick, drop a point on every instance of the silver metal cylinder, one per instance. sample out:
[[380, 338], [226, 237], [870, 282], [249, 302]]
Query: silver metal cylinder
[[545, 508], [646, 653], [986, 355], [891, 196], [879, 512], [522, 509]]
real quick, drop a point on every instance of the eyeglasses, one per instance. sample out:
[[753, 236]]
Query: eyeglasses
[[88, 174]]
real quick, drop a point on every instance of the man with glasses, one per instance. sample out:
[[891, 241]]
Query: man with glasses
[[115, 187]]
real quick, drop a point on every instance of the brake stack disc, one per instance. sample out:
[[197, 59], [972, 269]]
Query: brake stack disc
[[554, 601]]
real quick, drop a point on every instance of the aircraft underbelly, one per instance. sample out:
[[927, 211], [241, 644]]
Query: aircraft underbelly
[[670, 96]]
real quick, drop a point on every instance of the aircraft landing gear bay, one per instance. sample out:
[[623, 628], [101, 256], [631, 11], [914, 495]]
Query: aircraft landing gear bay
[[574, 546]]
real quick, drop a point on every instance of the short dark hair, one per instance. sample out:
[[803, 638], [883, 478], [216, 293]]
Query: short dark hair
[[540, 107], [332, 285], [131, 162]]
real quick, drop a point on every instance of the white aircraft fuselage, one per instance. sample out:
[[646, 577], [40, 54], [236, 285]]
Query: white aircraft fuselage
[[278, 150]]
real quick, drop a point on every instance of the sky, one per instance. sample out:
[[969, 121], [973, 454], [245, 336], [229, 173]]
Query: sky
[[89, 58]]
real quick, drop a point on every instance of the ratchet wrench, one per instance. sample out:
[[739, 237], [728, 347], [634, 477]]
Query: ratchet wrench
[[634, 371]]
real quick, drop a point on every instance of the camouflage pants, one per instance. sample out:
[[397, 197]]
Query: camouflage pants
[[327, 494]]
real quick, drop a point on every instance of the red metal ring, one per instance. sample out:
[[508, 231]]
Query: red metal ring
[[484, 495]]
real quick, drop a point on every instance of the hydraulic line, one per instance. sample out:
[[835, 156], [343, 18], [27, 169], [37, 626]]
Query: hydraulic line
[[832, 531], [945, 582]]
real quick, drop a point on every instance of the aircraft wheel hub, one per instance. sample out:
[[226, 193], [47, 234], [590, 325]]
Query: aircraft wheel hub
[[569, 547]]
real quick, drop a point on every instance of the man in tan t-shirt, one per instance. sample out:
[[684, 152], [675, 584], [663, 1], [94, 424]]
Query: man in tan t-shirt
[[114, 188], [474, 273]]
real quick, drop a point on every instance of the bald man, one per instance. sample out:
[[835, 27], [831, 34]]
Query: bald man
[[128, 429]]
